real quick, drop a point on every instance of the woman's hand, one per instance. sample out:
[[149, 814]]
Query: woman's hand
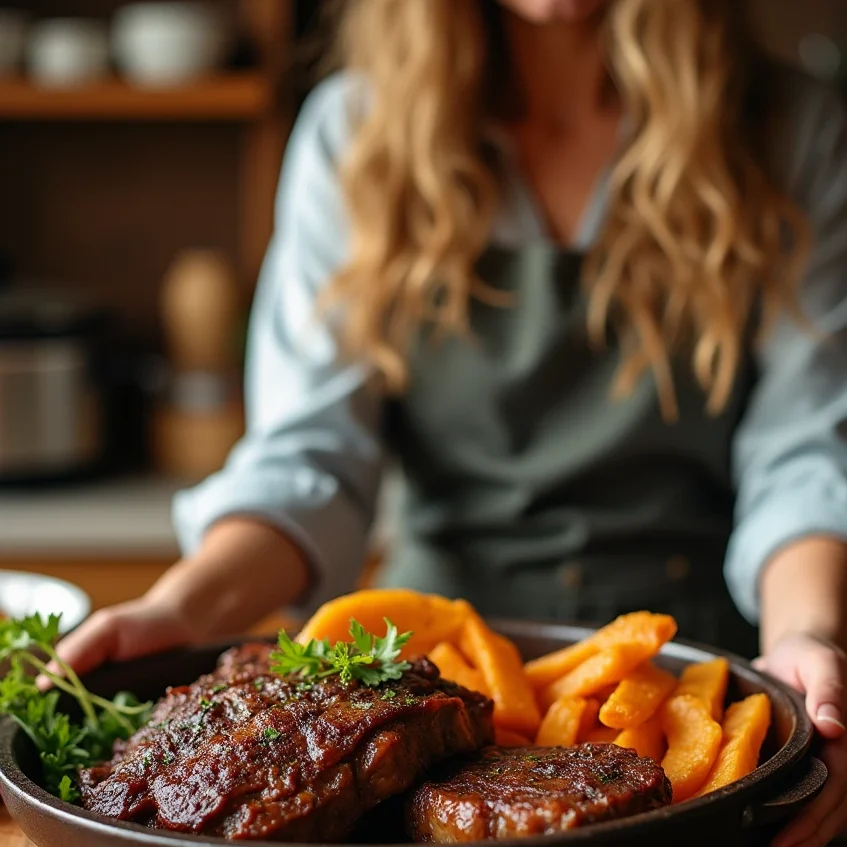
[[816, 668], [244, 571], [125, 632]]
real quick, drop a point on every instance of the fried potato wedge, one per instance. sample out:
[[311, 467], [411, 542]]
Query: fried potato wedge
[[608, 666], [561, 724], [648, 739], [499, 662], [708, 681], [694, 739], [637, 697], [744, 729], [645, 628], [454, 666], [432, 618]]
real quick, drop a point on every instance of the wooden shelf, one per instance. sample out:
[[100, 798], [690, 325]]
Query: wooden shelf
[[234, 97]]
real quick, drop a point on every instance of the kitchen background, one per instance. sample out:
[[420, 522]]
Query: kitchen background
[[139, 150]]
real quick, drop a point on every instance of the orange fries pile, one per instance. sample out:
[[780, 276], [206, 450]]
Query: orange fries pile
[[604, 689]]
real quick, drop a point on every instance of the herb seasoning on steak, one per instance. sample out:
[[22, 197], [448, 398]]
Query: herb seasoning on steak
[[512, 793], [246, 754]]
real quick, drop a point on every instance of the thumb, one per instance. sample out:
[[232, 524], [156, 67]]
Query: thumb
[[87, 647], [822, 678]]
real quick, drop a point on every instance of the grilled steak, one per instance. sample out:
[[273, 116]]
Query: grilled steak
[[511, 793], [245, 754]]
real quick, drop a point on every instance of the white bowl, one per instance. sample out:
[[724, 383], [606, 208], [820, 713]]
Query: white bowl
[[68, 51], [24, 594], [13, 30], [161, 44]]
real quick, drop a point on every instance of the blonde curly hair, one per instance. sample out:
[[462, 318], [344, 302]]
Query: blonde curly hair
[[697, 237]]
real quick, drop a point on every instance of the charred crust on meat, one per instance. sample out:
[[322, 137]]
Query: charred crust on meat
[[243, 753], [512, 793]]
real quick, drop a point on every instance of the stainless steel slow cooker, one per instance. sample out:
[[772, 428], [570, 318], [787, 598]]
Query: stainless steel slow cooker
[[51, 402]]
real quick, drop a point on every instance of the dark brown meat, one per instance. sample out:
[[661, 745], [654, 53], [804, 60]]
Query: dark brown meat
[[245, 754], [519, 792]]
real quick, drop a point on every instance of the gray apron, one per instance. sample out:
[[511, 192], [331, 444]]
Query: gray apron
[[534, 495]]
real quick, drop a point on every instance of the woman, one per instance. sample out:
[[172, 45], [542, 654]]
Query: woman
[[499, 216]]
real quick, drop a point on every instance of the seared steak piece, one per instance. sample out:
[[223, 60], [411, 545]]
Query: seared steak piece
[[517, 792], [245, 754]]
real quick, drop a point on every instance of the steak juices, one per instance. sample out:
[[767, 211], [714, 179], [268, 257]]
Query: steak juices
[[246, 754]]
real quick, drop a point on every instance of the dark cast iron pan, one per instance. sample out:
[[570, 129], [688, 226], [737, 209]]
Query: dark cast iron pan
[[746, 812]]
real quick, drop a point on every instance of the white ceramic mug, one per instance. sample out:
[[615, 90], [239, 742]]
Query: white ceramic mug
[[68, 51], [172, 42]]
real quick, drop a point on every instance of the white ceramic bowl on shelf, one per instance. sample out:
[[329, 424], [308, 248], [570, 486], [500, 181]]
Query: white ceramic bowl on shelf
[[23, 594], [68, 51], [162, 44], [13, 32]]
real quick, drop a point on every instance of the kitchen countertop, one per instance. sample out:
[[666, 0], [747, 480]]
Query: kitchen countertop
[[124, 518], [128, 517]]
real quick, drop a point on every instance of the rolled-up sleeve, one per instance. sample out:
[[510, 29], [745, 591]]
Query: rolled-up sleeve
[[310, 461], [790, 450]]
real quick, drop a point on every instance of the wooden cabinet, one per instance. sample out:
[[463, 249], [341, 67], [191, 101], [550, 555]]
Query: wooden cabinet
[[103, 184]]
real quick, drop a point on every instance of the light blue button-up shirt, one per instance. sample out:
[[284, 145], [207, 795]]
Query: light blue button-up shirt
[[311, 461]]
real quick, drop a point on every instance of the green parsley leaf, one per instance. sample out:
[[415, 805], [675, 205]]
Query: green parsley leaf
[[366, 658], [364, 641], [67, 790], [291, 658], [270, 734], [28, 644], [221, 686]]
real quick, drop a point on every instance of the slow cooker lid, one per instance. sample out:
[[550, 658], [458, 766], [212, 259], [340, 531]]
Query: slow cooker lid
[[44, 313]]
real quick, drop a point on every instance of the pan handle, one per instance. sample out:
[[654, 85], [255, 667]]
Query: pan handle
[[806, 785]]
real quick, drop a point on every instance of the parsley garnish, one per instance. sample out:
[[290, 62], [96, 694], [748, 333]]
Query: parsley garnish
[[388, 694], [258, 684], [63, 745], [205, 704], [221, 686], [66, 790], [607, 776], [368, 659], [270, 734]]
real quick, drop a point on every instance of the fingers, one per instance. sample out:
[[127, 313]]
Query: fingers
[[822, 676], [93, 643], [826, 816]]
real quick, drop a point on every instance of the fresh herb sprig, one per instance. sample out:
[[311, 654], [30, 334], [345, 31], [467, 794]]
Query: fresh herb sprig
[[367, 658], [28, 645]]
